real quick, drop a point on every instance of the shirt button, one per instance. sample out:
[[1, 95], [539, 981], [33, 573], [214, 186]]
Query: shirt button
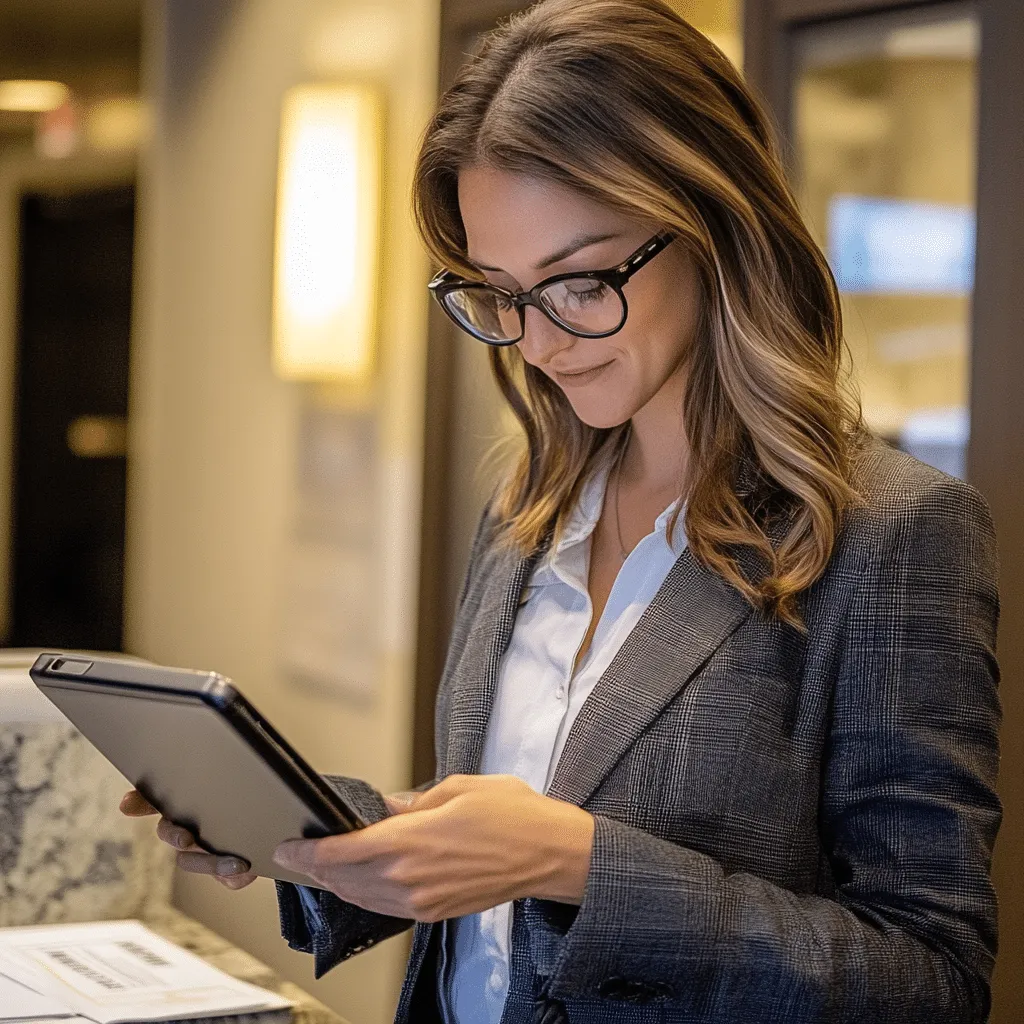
[[560, 692]]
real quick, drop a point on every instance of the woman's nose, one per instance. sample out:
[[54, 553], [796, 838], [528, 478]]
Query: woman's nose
[[542, 339]]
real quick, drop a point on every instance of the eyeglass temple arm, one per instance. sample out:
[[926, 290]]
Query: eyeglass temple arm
[[646, 253]]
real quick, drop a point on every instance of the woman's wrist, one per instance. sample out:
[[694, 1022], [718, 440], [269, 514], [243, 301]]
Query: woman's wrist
[[565, 855]]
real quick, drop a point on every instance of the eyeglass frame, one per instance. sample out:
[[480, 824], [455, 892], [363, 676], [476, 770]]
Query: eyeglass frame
[[615, 277]]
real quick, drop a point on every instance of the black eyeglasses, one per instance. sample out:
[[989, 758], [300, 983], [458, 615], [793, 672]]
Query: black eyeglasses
[[588, 305]]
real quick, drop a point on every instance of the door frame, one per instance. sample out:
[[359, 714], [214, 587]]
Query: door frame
[[438, 580], [21, 173], [995, 457], [768, 26]]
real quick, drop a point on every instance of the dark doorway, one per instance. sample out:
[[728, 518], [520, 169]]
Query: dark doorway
[[67, 562]]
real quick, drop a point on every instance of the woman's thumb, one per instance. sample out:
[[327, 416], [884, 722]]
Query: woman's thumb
[[399, 802]]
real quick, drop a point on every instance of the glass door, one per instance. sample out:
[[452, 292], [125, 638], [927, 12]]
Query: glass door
[[879, 113], [884, 131]]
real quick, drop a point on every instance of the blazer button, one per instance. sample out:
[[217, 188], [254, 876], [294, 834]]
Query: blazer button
[[613, 987], [629, 991], [647, 992], [637, 992]]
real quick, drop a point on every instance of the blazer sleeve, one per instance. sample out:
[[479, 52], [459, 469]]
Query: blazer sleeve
[[321, 923], [318, 922], [908, 819]]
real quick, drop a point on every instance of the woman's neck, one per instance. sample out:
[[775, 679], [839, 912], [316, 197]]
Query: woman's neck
[[658, 452]]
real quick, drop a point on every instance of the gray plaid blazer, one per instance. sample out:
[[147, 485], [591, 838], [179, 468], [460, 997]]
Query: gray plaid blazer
[[790, 827]]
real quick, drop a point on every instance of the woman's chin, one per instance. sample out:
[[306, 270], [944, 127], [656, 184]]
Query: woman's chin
[[599, 411]]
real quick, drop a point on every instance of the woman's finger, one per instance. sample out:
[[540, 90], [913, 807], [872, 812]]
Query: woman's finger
[[236, 881], [231, 872], [174, 835], [199, 862], [193, 858], [135, 805]]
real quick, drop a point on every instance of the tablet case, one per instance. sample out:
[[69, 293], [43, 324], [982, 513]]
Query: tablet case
[[199, 752]]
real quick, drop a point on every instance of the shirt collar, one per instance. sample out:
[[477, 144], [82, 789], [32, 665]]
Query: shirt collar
[[587, 511]]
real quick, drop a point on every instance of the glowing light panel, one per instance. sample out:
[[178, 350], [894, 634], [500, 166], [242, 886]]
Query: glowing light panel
[[328, 233], [32, 97]]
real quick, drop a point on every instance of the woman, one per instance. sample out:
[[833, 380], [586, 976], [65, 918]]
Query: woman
[[716, 735]]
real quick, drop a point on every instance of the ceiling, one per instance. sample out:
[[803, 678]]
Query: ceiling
[[91, 45], [58, 24]]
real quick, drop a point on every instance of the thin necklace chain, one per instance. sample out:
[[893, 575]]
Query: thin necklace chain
[[623, 553]]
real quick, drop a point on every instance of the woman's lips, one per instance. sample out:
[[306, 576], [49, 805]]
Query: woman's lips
[[575, 380]]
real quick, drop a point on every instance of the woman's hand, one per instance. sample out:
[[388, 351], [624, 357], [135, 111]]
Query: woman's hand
[[469, 843], [232, 872]]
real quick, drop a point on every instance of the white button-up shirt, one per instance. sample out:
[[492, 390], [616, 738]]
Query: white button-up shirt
[[536, 702]]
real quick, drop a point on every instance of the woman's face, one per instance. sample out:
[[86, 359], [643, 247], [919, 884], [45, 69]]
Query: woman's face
[[514, 226]]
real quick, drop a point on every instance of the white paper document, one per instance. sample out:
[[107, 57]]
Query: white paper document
[[18, 1003], [115, 972]]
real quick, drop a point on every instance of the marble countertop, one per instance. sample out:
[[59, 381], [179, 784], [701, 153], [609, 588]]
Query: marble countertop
[[193, 936], [20, 700], [69, 856]]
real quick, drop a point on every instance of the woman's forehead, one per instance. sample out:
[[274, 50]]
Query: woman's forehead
[[519, 218]]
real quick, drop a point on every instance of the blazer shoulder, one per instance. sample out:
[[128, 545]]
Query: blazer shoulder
[[914, 521], [894, 484]]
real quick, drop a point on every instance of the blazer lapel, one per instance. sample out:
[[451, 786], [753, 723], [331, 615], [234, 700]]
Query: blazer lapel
[[476, 676], [690, 617]]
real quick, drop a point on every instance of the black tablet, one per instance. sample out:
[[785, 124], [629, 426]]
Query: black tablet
[[199, 752]]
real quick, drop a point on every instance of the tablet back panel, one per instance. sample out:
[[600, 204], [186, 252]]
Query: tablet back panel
[[198, 752]]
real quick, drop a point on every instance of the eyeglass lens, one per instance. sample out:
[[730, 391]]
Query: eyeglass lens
[[581, 304], [485, 313]]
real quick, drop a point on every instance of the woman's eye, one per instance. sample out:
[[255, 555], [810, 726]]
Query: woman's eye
[[586, 291]]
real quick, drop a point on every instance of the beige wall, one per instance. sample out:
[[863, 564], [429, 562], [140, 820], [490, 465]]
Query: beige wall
[[214, 442]]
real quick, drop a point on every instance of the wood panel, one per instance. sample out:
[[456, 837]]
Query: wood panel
[[996, 455], [810, 10], [443, 543]]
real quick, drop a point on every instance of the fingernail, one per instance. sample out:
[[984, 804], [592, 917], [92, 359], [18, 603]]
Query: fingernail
[[281, 857], [231, 866]]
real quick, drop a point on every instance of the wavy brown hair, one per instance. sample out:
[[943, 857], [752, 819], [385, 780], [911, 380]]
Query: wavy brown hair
[[630, 106]]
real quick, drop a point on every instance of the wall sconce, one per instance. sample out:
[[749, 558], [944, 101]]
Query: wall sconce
[[328, 234], [32, 96]]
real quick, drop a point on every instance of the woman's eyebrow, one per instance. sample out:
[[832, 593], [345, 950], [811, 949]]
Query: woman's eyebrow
[[578, 243]]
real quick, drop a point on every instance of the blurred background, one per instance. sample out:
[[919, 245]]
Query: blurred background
[[234, 435]]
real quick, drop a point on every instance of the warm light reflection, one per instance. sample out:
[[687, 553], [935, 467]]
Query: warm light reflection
[[116, 123], [33, 97], [328, 215]]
